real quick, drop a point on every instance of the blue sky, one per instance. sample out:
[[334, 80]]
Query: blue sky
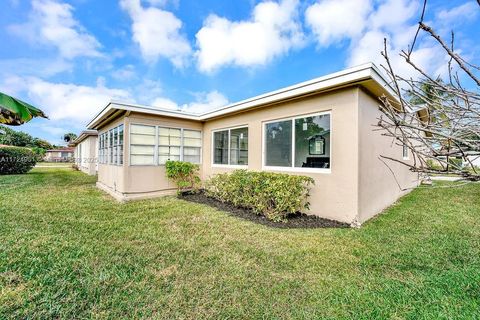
[[71, 57]]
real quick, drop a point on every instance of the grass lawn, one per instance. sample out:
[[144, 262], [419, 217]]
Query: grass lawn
[[68, 250], [54, 164]]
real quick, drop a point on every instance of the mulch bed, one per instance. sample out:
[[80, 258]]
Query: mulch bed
[[296, 221]]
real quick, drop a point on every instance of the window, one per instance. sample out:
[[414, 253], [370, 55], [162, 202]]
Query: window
[[192, 145], [142, 145], [115, 146], [278, 144], [220, 145], [239, 146], [302, 142], [120, 144], [100, 148], [230, 147], [170, 143]]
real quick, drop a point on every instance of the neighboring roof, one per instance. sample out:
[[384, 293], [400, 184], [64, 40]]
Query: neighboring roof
[[367, 74], [83, 135], [61, 150]]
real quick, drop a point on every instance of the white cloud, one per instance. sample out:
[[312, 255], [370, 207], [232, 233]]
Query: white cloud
[[459, 14], [205, 101], [52, 23], [272, 30], [395, 20], [62, 101], [333, 20], [125, 73], [40, 67], [157, 32]]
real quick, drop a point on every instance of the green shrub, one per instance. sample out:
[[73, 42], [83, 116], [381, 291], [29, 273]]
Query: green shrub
[[16, 160], [184, 174], [274, 195]]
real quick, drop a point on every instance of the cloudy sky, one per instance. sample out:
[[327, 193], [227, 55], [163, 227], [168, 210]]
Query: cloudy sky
[[71, 57]]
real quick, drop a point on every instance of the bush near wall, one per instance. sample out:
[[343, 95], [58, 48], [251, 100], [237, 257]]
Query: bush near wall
[[16, 160], [184, 174], [274, 195]]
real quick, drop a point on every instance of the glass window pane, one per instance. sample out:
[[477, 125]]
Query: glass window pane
[[192, 142], [163, 140], [120, 134], [220, 144], [192, 159], [175, 141], [142, 139], [239, 146], [278, 144], [312, 142], [135, 128], [163, 131], [163, 150], [141, 160], [175, 132], [115, 136], [188, 151], [162, 159], [175, 151], [192, 134], [142, 150]]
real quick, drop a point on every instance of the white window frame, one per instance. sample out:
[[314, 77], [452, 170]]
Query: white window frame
[[228, 165], [155, 148], [155, 155], [157, 140], [182, 143], [293, 168], [118, 144]]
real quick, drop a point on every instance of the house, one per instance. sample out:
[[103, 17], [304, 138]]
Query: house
[[86, 151], [59, 155], [323, 128]]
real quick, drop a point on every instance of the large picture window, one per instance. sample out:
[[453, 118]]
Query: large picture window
[[301, 142], [230, 147], [170, 143]]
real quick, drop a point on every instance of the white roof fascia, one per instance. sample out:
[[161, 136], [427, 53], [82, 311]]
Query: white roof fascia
[[344, 77]]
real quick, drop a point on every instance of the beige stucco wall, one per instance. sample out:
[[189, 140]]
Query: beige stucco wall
[[143, 181], [335, 194], [378, 186], [112, 177], [86, 155], [357, 187]]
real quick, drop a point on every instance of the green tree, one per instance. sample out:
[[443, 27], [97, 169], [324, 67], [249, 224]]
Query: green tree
[[69, 137]]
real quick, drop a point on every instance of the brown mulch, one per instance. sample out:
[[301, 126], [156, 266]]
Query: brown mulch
[[295, 221]]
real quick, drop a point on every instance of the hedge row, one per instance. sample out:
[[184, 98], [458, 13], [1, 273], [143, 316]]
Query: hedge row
[[274, 195], [16, 160]]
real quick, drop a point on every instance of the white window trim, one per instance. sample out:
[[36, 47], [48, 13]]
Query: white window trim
[[155, 151], [104, 157], [228, 165], [293, 168]]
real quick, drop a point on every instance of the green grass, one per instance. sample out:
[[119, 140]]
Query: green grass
[[68, 250], [55, 164]]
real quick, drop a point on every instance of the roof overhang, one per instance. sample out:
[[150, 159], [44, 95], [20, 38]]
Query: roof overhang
[[84, 135], [366, 75]]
